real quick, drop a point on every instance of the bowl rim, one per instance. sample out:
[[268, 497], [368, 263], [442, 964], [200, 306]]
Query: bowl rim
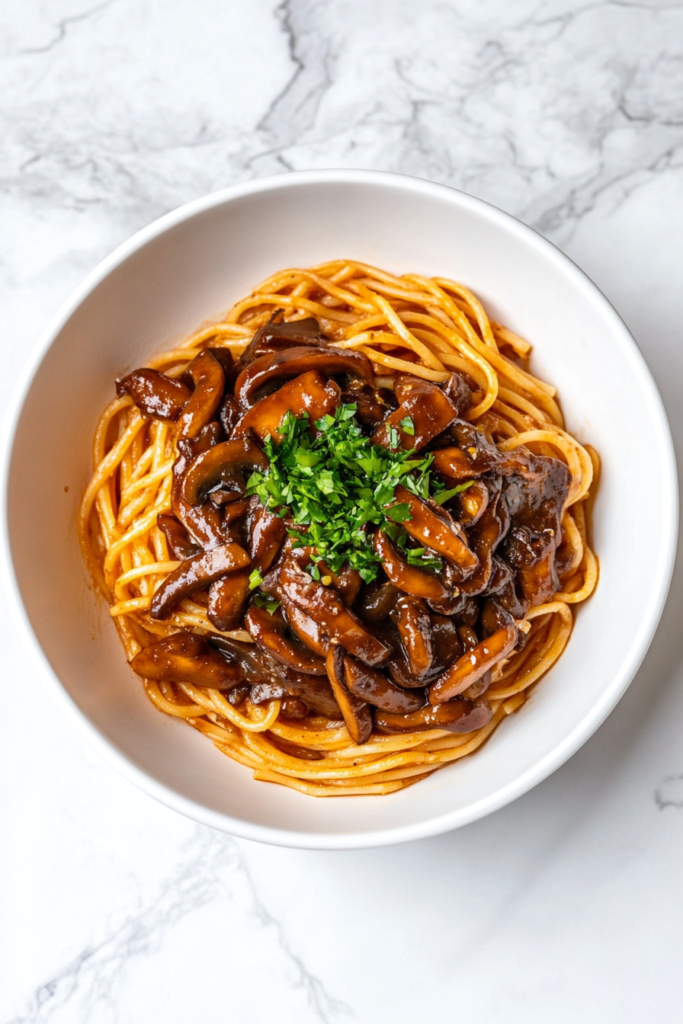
[[611, 694]]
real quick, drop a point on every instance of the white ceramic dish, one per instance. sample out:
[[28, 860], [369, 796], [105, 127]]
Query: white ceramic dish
[[190, 266]]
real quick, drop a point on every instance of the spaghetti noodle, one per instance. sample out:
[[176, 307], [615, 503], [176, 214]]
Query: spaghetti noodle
[[409, 329]]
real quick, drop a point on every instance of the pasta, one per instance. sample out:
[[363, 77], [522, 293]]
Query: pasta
[[414, 332]]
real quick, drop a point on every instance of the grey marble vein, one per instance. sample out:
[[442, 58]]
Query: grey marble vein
[[208, 867], [669, 792]]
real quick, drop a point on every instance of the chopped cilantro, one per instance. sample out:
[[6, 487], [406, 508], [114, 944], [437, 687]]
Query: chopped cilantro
[[337, 483], [407, 426]]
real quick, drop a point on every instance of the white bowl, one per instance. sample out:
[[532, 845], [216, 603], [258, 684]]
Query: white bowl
[[191, 265]]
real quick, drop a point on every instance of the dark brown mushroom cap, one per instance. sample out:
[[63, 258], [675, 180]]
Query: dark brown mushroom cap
[[194, 573], [326, 607], [404, 576], [185, 658], [473, 665], [227, 600], [425, 404], [356, 713], [447, 648], [415, 629], [154, 393], [207, 374], [278, 334], [456, 716], [372, 686], [437, 531], [281, 366], [269, 631], [265, 534], [308, 394], [221, 465]]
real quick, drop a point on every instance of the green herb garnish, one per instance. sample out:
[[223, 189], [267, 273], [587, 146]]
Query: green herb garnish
[[335, 484], [261, 600], [255, 579]]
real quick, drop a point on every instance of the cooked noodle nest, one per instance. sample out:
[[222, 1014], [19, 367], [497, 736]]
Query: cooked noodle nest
[[424, 326]]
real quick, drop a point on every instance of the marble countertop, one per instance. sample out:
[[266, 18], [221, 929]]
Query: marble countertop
[[567, 905]]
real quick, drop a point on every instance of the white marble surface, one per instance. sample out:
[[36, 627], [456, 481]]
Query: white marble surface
[[566, 906]]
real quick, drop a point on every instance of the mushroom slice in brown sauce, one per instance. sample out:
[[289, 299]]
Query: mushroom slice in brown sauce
[[415, 629], [154, 393], [309, 394], [372, 686], [269, 631], [404, 576], [437, 532], [227, 599], [194, 573], [282, 366], [456, 716], [180, 544], [221, 466], [326, 607], [185, 658], [473, 665], [307, 629], [356, 713], [209, 379], [430, 410], [278, 334]]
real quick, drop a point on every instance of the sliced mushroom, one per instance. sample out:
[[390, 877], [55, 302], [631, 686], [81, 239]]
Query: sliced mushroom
[[277, 335], [310, 394], [377, 601], [269, 631], [281, 366], [428, 408], [265, 534], [406, 577], [447, 648], [455, 716], [185, 658], [221, 466], [307, 629], [415, 629], [372, 686], [258, 666], [180, 544], [261, 693], [207, 374], [460, 393], [347, 582], [292, 707], [470, 505], [473, 665], [229, 414], [194, 573], [203, 523], [325, 607], [356, 713], [437, 531], [227, 599], [484, 538], [373, 404], [154, 393]]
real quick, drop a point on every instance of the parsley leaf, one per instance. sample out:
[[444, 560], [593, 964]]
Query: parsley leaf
[[335, 484], [407, 425]]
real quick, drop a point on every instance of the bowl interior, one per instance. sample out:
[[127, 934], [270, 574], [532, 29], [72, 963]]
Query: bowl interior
[[168, 282]]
